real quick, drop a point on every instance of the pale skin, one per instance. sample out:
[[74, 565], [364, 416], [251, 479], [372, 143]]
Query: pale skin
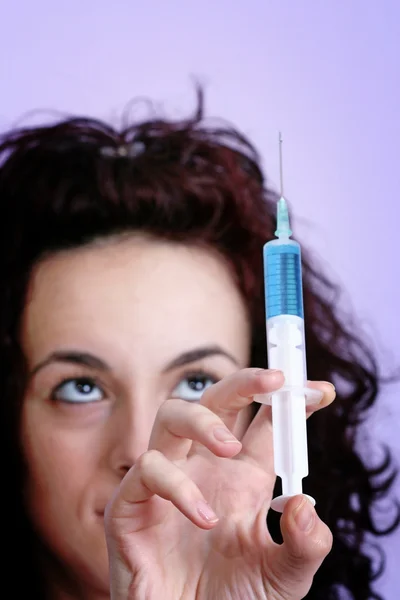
[[138, 351]]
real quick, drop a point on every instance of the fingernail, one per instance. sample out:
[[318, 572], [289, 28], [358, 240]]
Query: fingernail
[[224, 435], [329, 383], [206, 512], [304, 515], [268, 371]]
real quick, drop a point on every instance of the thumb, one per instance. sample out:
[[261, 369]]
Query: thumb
[[306, 542]]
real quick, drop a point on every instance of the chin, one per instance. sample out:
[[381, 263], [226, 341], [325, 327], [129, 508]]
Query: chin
[[94, 573]]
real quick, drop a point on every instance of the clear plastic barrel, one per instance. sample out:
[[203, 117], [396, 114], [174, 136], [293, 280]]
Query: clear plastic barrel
[[286, 352]]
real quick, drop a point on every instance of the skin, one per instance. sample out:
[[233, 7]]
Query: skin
[[115, 438]]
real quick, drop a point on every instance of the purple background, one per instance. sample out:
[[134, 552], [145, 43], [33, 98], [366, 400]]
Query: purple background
[[325, 73]]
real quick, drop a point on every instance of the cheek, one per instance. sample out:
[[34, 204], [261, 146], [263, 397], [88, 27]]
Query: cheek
[[62, 481], [52, 455]]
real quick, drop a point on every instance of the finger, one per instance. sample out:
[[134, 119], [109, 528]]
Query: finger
[[179, 422], [257, 443], [230, 395], [258, 439], [306, 542], [329, 395], [154, 475]]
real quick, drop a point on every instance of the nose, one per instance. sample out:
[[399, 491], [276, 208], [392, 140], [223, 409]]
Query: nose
[[130, 427]]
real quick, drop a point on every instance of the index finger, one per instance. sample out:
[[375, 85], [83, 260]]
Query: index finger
[[233, 393]]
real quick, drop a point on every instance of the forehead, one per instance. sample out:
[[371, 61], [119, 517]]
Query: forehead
[[130, 289]]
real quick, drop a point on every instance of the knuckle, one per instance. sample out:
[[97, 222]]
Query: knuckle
[[147, 459], [297, 556], [167, 408], [207, 419], [319, 547], [209, 393], [324, 543], [224, 386]]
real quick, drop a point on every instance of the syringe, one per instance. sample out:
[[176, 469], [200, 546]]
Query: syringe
[[286, 352]]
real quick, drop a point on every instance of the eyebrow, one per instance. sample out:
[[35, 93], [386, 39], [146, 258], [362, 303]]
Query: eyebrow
[[94, 362], [198, 354], [75, 357]]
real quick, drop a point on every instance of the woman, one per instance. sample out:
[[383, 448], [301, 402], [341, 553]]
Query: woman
[[132, 344]]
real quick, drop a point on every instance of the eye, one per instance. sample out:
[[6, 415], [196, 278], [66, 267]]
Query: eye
[[193, 386], [78, 391]]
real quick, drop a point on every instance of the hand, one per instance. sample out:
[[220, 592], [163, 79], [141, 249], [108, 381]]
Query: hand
[[164, 539]]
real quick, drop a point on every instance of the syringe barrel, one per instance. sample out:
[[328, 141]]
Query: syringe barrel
[[286, 352], [284, 310], [286, 348], [282, 276]]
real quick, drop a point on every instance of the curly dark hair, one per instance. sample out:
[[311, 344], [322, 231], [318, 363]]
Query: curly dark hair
[[64, 184]]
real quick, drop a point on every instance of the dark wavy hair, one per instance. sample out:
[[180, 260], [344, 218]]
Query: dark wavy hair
[[65, 184]]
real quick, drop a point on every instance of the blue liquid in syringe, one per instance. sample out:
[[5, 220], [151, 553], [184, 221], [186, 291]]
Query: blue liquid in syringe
[[283, 279]]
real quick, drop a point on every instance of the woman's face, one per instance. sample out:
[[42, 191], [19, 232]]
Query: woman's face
[[110, 332]]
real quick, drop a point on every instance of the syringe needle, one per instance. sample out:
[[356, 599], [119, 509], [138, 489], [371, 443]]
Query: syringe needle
[[281, 163]]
